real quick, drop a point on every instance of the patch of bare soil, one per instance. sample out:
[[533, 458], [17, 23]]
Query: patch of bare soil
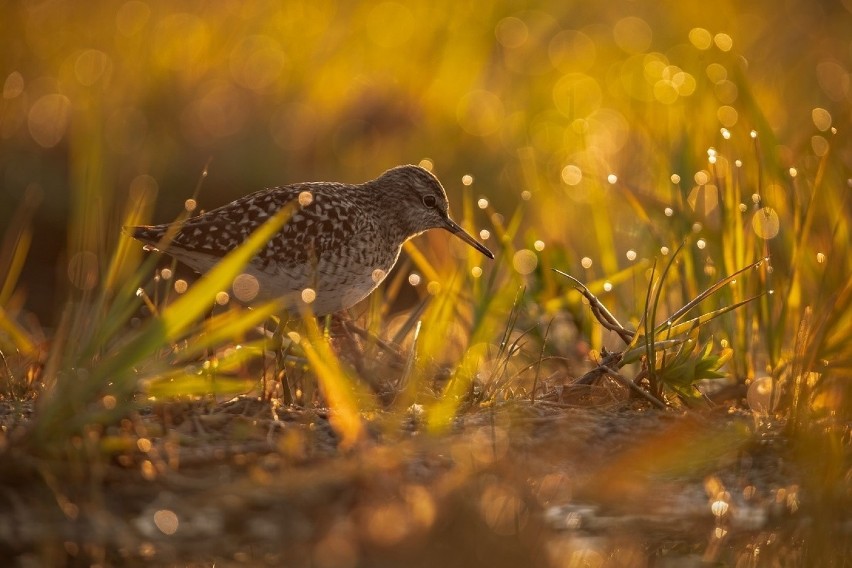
[[246, 483]]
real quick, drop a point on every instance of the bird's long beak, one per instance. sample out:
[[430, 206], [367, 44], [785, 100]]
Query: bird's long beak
[[456, 229]]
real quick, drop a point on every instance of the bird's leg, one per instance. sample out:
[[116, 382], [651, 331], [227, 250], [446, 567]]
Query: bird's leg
[[281, 362], [347, 346]]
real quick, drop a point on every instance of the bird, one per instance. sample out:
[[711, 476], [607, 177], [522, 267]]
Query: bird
[[340, 243]]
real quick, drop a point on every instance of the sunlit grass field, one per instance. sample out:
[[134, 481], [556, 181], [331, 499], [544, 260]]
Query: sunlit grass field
[[667, 191]]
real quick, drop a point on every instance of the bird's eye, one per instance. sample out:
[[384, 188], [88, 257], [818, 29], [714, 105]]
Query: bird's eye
[[429, 200]]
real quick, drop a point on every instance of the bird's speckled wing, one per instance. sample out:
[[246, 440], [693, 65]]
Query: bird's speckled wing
[[324, 220]]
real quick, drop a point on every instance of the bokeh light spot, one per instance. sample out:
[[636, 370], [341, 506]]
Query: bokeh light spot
[[257, 62], [166, 521], [91, 66], [727, 115], [308, 295], [577, 95], [570, 50], [571, 174], [48, 119], [819, 145], [245, 287], [480, 112], [700, 38], [524, 261], [511, 32], [821, 118], [13, 86], [632, 34], [723, 41], [765, 223]]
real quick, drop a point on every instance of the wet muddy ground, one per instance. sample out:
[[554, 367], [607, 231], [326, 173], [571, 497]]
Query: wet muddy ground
[[243, 483]]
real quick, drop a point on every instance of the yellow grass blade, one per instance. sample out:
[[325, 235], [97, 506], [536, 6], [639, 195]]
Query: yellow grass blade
[[346, 398]]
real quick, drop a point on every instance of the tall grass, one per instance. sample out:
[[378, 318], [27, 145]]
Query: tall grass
[[693, 182]]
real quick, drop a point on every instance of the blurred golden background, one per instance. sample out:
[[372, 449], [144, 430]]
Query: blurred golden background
[[571, 101]]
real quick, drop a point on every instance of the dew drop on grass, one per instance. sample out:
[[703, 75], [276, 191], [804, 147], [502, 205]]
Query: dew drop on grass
[[482, 203], [181, 285], [467, 179], [675, 178], [743, 207], [484, 234], [612, 178], [738, 163], [820, 257], [753, 134], [306, 198], [631, 255], [434, 288], [701, 244], [607, 286], [526, 195], [538, 245], [696, 227], [668, 211], [664, 250], [166, 274], [222, 298], [711, 159], [755, 198], [476, 272], [414, 279], [726, 134], [586, 262], [190, 205], [426, 164], [140, 292], [793, 172]]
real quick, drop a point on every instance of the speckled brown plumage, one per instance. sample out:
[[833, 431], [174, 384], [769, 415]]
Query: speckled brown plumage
[[341, 242]]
